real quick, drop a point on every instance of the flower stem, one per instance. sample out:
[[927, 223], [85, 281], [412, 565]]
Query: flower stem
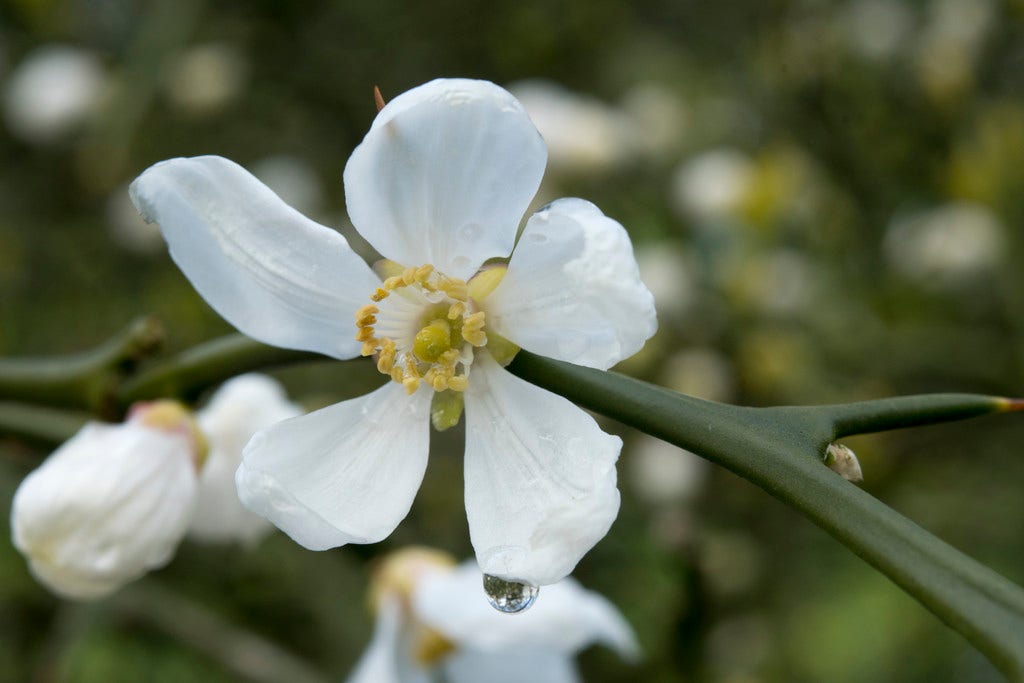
[[188, 373], [780, 450], [46, 426], [83, 380]]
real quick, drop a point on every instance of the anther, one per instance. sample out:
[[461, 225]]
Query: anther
[[458, 383], [456, 310], [380, 294]]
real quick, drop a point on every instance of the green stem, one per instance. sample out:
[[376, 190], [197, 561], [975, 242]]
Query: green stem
[[45, 426], [190, 372], [85, 380], [780, 450]]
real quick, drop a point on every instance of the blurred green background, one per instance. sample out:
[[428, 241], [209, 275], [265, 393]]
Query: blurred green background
[[825, 197]]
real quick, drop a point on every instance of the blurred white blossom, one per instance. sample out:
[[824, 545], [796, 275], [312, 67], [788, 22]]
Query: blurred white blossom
[[777, 282], [205, 78], [659, 118], [111, 504], [943, 246], [665, 474], [241, 407], [703, 372], [667, 271], [51, 92], [950, 44], [293, 180], [432, 618], [713, 184], [876, 29], [582, 133]]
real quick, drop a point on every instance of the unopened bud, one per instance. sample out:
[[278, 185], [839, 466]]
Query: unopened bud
[[841, 459]]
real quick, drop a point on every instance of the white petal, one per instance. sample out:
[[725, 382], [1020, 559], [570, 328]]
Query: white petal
[[241, 407], [386, 659], [540, 477], [347, 473], [533, 664], [565, 618], [573, 289], [445, 175], [267, 269], [106, 507]]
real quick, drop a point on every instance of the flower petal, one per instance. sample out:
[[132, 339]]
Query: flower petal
[[267, 269], [533, 664], [540, 477], [347, 473], [573, 289], [565, 619], [385, 659], [445, 175]]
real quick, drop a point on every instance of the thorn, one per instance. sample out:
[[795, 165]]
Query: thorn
[[1012, 404], [378, 99]]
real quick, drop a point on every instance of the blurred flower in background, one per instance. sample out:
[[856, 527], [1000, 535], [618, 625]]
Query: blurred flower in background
[[945, 246], [241, 407], [52, 92], [431, 618], [203, 79], [583, 134]]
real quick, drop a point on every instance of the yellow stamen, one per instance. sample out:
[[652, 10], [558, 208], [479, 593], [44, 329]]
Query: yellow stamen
[[439, 353], [456, 310]]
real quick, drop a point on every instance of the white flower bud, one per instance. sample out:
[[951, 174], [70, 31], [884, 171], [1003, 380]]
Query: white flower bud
[[841, 459], [110, 504], [240, 408]]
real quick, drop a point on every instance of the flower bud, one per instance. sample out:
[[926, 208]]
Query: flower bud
[[841, 459], [240, 408], [110, 504]]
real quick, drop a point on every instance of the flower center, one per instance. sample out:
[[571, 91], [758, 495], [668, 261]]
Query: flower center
[[422, 327]]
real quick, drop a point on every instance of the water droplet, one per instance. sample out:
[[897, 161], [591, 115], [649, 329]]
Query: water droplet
[[460, 261], [509, 597], [470, 231]]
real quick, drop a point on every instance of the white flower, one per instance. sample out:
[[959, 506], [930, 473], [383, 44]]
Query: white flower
[[52, 91], [714, 184], [432, 618], [583, 134], [946, 245], [237, 410], [438, 185], [110, 504]]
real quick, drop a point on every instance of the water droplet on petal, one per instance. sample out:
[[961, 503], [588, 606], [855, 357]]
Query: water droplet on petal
[[460, 261], [470, 231], [509, 597]]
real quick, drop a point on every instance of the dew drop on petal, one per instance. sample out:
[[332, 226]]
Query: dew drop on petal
[[460, 262], [509, 597], [470, 231]]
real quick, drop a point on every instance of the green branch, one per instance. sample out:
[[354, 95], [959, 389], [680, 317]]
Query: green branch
[[780, 450], [190, 372], [85, 380]]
